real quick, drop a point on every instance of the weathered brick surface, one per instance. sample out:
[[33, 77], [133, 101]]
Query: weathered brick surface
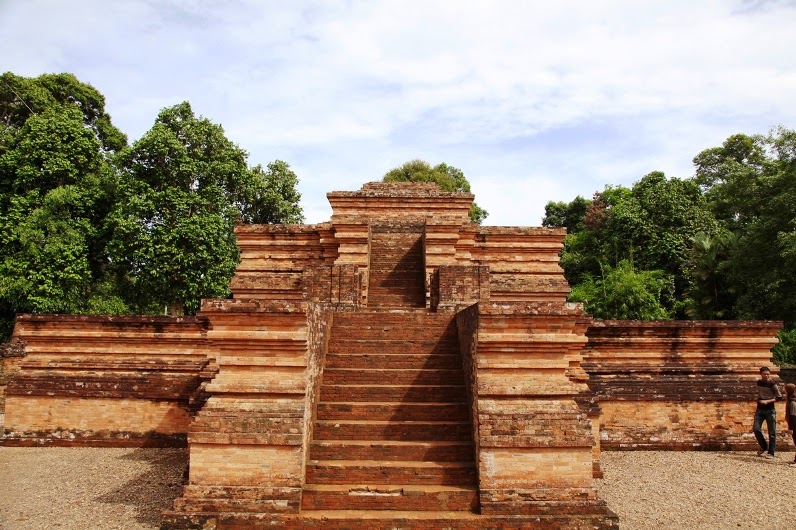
[[274, 257], [460, 285], [523, 263], [384, 429], [395, 272], [249, 442], [535, 441], [543, 516], [103, 380], [11, 354], [677, 385]]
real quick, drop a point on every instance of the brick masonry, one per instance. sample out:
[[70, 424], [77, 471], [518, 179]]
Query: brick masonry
[[11, 355], [677, 385], [98, 380], [334, 403]]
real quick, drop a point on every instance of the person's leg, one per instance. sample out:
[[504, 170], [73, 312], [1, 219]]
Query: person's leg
[[793, 435], [761, 440], [771, 422]]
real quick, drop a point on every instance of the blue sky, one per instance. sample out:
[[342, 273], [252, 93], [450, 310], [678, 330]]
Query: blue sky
[[533, 100]]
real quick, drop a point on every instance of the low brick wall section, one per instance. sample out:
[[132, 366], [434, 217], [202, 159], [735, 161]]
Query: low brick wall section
[[677, 384], [11, 355], [106, 380]]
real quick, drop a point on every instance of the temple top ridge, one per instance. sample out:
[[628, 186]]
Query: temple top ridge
[[400, 201], [401, 189]]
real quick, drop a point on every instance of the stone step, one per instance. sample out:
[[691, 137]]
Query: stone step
[[596, 518], [407, 242], [431, 328], [592, 516], [383, 288], [397, 247], [395, 496], [407, 268], [349, 346], [392, 430], [409, 279], [420, 317], [359, 376], [386, 472], [414, 336], [410, 270], [395, 300], [227, 498], [437, 451], [395, 254], [392, 393], [394, 411], [400, 359]]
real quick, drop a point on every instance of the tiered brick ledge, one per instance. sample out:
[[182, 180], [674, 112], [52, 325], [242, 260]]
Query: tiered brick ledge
[[679, 384], [106, 380]]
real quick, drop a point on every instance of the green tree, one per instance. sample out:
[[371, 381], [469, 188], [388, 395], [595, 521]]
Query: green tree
[[624, 293], [271, 196], [448, 177], [655, 224], [21, 98], [750, 182], [650, 225], [730, 177], [56, 187], [569, 215], [185, 186], [710, 294]]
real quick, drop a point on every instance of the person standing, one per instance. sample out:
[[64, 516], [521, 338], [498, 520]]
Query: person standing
[[767, 394], [790, 413]]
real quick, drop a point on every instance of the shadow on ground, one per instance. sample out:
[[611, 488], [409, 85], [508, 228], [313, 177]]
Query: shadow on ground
[[155, 490]]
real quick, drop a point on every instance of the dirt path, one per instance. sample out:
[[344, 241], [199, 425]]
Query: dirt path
[[104, 489]]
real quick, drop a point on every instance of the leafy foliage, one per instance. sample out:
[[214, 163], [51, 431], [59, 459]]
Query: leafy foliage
[[89, 225], [56, 187], [184, 187], [650, 225], [448, 177], [271, 196], [710, 294], [720, 245], [569, 215], [625, 293]]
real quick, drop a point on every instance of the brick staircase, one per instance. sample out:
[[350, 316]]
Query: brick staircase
[[392, 435], [396, 273]]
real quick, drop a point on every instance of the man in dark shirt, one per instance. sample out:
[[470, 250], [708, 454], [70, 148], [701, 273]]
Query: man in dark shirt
[[767, 394]]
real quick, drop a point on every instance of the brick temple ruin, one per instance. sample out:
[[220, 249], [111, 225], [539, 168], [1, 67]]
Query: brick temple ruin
[[397, 367]]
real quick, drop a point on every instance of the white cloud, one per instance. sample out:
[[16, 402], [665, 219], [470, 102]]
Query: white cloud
[[534, 101]]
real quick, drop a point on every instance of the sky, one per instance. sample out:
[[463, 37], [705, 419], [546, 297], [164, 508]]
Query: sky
[[534, 101]]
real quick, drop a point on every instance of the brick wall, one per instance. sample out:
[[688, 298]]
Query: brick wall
[[105, 380], [274, 257], [248, 443], [523, 263], [11, 354], [677, 384], [535, 439]]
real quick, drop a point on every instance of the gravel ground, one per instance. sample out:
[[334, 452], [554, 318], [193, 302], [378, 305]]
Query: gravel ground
[[87, 488], [104, 489], [699, 490]]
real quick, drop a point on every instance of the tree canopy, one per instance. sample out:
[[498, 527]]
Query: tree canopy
[[719, 245], [448, 177], [56, 187], [89, 224]]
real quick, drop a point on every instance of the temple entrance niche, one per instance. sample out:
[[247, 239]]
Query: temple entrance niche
[[396, 266]]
